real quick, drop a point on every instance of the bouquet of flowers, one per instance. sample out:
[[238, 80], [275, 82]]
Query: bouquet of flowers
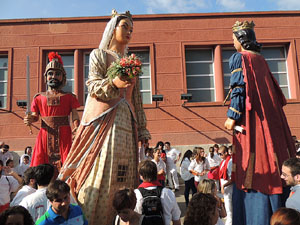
[[127, 67]]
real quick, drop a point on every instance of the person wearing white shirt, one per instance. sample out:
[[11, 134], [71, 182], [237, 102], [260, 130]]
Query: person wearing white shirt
[[27, 151], [37, 203], [9, 183], [187, 176], [161, 166], [199, 165], [214, 161], [5, 154], [28, 188], [148, 173], [173, 156], [22, 167]]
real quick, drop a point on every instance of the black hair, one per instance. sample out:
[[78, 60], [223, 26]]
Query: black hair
[[160, 143], [5, 146], [123, 17], [167, 143], [44, 174], [1, 162], [294, 165], [27, 219], [8, 161], [124, 199], [56, 188], [25, 151], [29, 174], [248, 40], [188, 154]]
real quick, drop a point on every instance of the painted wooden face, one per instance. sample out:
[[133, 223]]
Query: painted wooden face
[[123, 31], [236, 43]]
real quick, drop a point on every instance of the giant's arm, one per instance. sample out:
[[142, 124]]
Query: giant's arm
[[99, 85], [237, 84]]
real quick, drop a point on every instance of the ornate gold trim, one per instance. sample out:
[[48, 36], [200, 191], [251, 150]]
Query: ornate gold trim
[[115, 13], [237, 70], [234, 110], [242, 25]]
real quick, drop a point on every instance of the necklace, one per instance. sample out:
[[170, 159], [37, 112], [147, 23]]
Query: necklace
[[115, 53]]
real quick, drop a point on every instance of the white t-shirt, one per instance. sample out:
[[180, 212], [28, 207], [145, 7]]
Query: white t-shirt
[[22, 193], [171, 211], [160, 165], [6, 156], [37, 203], [20, 169], [8, 184], [184, 170], [199, 167], [214, 161], [172, 155]]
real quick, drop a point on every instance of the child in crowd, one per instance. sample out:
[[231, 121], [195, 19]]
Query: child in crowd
[[16, 215], [199, 165], [161, 166], [208, 186], [124, 202], [61, 211], [20, 169], [202, 210], [189, 183], [285, 216]]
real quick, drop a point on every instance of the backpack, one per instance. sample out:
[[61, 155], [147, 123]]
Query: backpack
[[152, 208]]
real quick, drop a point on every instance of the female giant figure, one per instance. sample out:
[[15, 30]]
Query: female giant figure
[[103, 157]]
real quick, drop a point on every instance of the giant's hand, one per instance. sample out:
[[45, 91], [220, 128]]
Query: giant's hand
[[30, 118], [122, 83], [229, 124]]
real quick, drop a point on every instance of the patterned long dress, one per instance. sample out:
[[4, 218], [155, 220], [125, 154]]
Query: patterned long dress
[[103, 157]]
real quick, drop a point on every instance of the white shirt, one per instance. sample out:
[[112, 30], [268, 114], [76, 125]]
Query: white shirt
[[184, 170], [22, 193], [5, 156], [160, 165], [171, 211], [20, 169], [214, 161], [8, 184], [199, 167], [37, 203], [172, 155]]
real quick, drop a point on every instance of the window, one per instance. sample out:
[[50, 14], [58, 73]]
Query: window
[[3, 80], [276, 59], [200, 74], [86, 73], [145, 78], [226, 54], [68, 60]]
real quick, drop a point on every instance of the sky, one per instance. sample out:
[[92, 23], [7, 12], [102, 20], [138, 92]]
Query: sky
[[17, 9]]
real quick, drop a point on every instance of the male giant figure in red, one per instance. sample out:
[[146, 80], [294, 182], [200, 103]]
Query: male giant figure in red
[[266, 141], [54, 106]]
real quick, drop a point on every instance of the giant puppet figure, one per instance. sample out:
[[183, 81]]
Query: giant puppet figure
[[266, 141], [103, 157], [54, 106]]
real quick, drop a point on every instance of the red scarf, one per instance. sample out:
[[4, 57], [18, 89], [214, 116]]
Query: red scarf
[[149, 184], [223, 170]]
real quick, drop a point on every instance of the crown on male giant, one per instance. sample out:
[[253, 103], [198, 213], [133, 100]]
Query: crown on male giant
[[115, 13], [243, 25]]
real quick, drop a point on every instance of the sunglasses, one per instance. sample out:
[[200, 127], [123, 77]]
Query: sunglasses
[[220, 154]]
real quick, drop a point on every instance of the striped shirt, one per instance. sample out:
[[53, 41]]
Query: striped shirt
[[76, 217]]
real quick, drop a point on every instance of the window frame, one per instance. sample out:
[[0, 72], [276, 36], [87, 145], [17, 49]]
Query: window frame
[[8, 52]]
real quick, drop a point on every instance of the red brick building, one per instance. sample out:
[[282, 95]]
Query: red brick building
[[182, 53]]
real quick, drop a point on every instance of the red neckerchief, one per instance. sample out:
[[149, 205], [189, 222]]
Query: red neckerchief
[[223, 170], [149, 184]]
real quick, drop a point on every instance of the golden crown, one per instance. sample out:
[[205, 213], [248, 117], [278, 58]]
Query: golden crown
[[242, 25], [115, 13]]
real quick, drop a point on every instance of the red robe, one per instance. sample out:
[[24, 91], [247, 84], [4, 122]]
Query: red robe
[[39, 105], [267, 141]]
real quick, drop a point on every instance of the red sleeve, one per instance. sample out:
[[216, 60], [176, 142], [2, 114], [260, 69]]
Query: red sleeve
[[75, 104], [35, 105]]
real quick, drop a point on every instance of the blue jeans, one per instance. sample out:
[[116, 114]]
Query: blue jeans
[[189, 185], [253, 207]]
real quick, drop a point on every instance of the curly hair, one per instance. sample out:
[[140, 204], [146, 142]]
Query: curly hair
[[247, 39], [27, 219], [201, 209]]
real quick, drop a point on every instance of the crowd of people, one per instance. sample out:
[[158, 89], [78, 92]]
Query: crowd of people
[[39, 197]]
